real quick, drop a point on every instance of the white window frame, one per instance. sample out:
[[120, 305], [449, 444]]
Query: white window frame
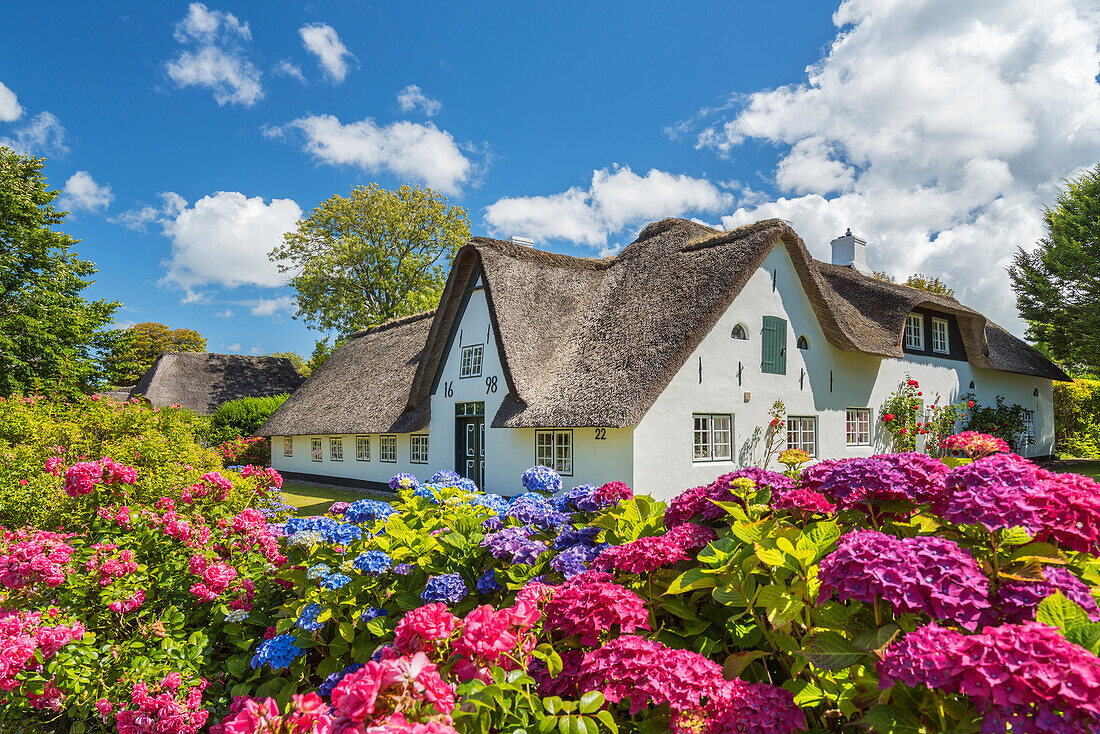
[[470, 364], [857, 426], [336, 448], [712, 437], [802, 433], [316, 449], [288, 446], [387, 449], [554, 449], [418, 448], [362, 448], [1029, 425], [940, 329], [914, 331]]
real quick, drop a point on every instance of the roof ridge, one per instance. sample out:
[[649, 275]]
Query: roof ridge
[[526, 252], [395, 321], [851, 272]]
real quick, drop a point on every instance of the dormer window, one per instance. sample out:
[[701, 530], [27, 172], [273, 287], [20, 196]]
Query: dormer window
[[940, 339], [739, 333], [914, 331]]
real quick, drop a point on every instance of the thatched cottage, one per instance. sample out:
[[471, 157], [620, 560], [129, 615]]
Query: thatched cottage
[[202, 381], [656, 367]]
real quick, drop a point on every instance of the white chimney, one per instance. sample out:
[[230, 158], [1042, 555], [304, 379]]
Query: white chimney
[[851, 252], [525, 241]]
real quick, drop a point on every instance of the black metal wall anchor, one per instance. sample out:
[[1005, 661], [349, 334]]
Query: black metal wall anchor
[[740, 367], [801, 378]]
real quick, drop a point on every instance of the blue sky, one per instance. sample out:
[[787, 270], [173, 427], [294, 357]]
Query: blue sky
[[189, 136]]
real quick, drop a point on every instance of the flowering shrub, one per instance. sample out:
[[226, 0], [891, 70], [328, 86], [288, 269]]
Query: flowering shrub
[[245, 450], [974, 445], [906, 422]]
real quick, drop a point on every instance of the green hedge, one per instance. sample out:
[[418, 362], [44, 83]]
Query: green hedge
[[241, 417], [1077, 418]]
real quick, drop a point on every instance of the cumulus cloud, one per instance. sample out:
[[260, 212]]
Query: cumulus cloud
[[223, 239], [615, 199], [322, 41], [235, 347], [271, 306], [41, 135], [217, 59], [10, 111], [226, 314], [141, 215], [82, 192], [411, 150], [412, 97], [289, 70], [934, 128]]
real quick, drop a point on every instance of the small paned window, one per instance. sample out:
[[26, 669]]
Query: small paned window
[[858, 426], [315, 450], [914, 331], [802, 433], [554, 449], [712, 437], [940, 339], [463, 410], [418, 448], [1029, 426], [362, 448], [387, 449], [336, 449], [288, 446], [803, 342], [739, 333], [471, 361]]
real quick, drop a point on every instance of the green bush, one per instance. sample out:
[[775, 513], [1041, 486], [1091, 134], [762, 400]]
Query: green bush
[[241, 417], [1077, 418]]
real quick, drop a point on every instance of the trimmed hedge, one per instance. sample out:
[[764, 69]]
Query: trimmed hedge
[[242, 417], [1077, 418]]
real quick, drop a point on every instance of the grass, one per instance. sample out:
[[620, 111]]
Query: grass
[[1088, 467], [314, 500]]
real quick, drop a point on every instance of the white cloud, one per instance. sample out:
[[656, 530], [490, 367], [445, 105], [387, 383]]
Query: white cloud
[[287, 69], [412, 97], [226, 314], [82, 192], [235, 347], [936, 129], [10, 111], [616, 199], [271, 306], [223, 239], [219, 61], [141, 215], [411, 150], [257, 348], [42, 135], [322, 41]]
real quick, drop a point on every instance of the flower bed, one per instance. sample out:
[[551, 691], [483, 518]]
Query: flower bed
[[891, 593]]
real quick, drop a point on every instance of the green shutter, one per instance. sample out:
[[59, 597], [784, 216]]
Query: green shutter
[[773, 347]]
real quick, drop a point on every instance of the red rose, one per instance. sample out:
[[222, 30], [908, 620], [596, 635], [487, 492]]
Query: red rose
[[904, 431], [888, 417], [970, 403]]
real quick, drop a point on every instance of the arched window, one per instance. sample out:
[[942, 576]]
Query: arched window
[[739, 333], [803, 342]]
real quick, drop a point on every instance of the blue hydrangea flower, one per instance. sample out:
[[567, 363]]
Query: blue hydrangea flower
[[236, 615], [403, 569], [427, 491], [487, 582], [446, 477], [345, 533], [575, 559], [572, 535], [494, 502], [335, 581], [318, 571], [541, 479], [372, 613], [515, 545], [582, 498], [307, 618], [278, 652], [375, 562], [493, 523], [448, 588], [330, 683], [367, 511], [403, 480], [307, 538], [533, 509], [466, 484]]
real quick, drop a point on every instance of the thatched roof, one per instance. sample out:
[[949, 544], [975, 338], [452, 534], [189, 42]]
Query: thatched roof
[[588, 342], [362, 388], [202, 381]]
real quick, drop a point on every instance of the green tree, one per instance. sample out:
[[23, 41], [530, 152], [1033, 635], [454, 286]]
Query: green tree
[[370, 257], [929, 283], [137, 347], [295, 359], [1058, 283], [50, 336], [321, 352]]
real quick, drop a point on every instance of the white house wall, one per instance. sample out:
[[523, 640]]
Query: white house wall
[[663, 440], [374, 470]]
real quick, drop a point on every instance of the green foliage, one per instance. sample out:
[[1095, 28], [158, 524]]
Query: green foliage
[[295, 359], [1058, 283], [242, 417], [137, 348], [1077, 418], [321, 352], [1001, 420], [930, 283], [49, 334], [907, 415], [373, 256]]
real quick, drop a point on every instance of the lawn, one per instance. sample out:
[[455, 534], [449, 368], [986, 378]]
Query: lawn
[[1088, 467], [314, 500]]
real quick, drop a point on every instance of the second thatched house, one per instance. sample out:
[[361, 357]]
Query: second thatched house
[[201, 381], [656, 367]]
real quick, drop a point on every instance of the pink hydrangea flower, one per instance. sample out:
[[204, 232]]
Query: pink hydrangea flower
[[589, 609], [975, 445], [422, 627]]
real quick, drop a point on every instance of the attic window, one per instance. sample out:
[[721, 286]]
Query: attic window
[[739, 333], [471, 361], [940, 341], [914, 331], [803, 342]]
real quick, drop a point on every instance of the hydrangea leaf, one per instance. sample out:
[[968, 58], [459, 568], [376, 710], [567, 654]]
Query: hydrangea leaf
[[690, 580], [1015, 536], [831, 651], [805, 693], [1087, 636], [737, 662], [1058, 611], [884, 719]]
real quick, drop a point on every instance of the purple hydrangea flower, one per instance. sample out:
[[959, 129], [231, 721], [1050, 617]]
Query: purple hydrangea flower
[[925, 477], [575, 559], [855, 483], [446, 477], [403, 569], [572, 535], [404, 480], [695, 504], [493, 523], [1020, 600], [449, 588], [333, 680], [515, 545], [999, 491], [338, 508], [922, 574], [533, 509]]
